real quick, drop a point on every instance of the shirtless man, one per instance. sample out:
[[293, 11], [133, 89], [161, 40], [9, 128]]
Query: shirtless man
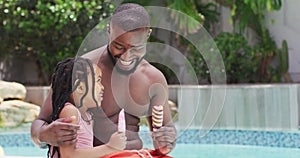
[[130, 82]]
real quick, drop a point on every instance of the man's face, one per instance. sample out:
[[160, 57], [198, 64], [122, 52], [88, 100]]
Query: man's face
[[127, 48]]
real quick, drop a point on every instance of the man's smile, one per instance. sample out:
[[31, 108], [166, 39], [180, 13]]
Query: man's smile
[[126, 63]]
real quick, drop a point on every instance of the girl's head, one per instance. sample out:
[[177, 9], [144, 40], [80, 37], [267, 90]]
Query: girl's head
[[78, 81]]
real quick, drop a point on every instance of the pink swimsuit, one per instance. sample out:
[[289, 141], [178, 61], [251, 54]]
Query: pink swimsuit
[[84, 134]]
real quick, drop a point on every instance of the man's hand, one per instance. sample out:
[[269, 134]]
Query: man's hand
[[164, 139], [60, 132]]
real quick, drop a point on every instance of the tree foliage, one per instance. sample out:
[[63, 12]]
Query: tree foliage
[[248, 16], [47, 30]]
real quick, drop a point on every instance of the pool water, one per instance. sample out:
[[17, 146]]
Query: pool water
[[192, 150], [233, 151], [190, 143], [25, 151]]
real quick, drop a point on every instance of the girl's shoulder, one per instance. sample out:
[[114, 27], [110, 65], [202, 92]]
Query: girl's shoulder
[[69, 110]]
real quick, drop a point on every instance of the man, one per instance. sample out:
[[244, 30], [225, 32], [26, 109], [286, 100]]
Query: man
[[130, 82]]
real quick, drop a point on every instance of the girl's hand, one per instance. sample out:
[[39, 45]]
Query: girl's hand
[[117, 141]]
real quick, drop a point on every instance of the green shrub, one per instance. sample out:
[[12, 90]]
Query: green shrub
[[47, 30], [241, 61]]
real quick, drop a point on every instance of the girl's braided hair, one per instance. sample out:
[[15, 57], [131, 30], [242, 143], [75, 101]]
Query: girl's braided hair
[[66, 78]]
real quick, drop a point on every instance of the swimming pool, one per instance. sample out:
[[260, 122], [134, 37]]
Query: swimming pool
[[190, 143], [193, 150]]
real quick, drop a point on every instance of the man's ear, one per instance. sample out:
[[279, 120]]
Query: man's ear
[[108, 28], [108, 32], [149, 33]]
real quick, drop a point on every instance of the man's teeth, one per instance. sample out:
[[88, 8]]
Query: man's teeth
[[126, 63]]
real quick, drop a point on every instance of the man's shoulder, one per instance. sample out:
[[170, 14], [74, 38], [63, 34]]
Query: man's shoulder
[[151, 72], [95, 54]]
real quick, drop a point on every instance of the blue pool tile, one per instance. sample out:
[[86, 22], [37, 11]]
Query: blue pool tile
[[235, 137]]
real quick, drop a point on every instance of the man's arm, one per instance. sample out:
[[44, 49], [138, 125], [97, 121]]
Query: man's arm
[[164, 138], [59, 132]]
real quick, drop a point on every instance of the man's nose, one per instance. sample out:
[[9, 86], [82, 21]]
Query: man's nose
[[126, 55], [102, 87]]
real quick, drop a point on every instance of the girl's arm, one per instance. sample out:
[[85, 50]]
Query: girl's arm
[[116, 143], [95, 152]]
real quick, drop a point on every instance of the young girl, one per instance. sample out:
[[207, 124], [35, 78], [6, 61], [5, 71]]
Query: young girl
[[76, 86]]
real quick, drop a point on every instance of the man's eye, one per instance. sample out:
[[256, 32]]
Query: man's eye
[[119, 48], [137, 49]]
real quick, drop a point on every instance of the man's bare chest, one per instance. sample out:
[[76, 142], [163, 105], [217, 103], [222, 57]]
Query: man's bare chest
[[130, 94]]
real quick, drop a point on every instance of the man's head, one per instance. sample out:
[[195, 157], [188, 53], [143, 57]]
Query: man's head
[[128, 32]]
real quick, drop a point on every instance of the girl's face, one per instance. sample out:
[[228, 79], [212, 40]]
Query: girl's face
[[98, 88]]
